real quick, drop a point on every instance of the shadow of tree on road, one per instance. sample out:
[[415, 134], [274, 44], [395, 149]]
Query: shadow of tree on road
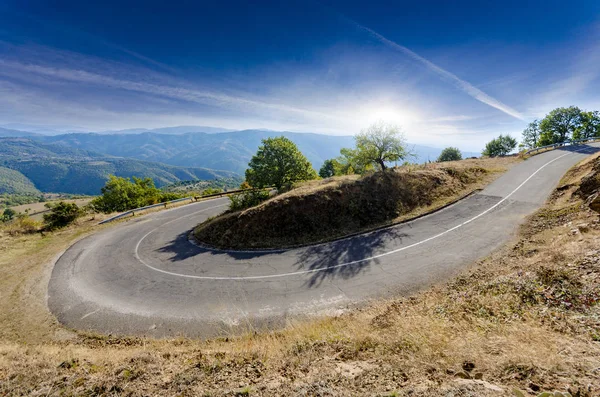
[[182, 249], [345, 258]]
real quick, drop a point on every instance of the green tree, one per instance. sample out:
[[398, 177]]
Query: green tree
[[279, 163], [61, 215], [122, 194], [531, 134], [380, 143], [348, 162], [559, 125], [589, 126], [329, 168], [500, 146], [8, 214], [450, 154]]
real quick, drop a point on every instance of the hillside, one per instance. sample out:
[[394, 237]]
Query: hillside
[[224, 151], [56, 168], [331, 208], [13, 182]]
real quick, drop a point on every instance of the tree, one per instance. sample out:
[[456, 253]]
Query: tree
[[531, 134], [380, 143], [450, 154], [559, 125], [589, 126], [349, 163], [122, 194], [329, 168], [279, 163], [61, 215], [500, 146]]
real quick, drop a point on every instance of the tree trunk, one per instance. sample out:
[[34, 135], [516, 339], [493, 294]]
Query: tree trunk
[[382, 164]]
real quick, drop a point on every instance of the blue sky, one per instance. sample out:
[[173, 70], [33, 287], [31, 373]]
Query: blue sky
[[449, 72]]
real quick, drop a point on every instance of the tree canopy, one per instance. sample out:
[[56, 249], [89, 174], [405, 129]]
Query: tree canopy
[[329, 168], [562, 125], [500, 146], [450, 154], [531, 134], [279, 163], [122, 194], [559, 125], [379, 144]]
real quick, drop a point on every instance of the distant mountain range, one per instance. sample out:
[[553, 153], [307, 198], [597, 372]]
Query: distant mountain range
[[80, 162], [27, 165]]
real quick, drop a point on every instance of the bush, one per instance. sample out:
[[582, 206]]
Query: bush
[[170, 196], [211, 190], [23, 224], [61, 215], [8, 215], [241, 201], [450, 154]]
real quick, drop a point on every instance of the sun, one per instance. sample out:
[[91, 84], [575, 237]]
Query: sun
[[386, 113]]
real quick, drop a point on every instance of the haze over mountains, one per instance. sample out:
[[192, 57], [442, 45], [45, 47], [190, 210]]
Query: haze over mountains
[[81, 162]]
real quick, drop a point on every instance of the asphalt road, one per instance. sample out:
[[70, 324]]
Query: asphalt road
[[145, 277]]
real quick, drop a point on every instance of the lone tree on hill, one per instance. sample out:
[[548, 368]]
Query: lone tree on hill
[[500, 146], [380, 143], [450, 154], [279, 163]]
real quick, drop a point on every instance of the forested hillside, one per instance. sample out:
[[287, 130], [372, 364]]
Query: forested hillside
[[56, 168], [224, 151]]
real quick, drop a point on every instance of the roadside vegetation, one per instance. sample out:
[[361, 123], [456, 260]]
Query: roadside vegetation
[[526, 319], [560, 125], [360, 192]]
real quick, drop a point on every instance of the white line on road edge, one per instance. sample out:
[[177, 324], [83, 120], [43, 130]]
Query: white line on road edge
[[347, 263]]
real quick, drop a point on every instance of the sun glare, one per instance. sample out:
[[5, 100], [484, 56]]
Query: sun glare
[[387, 114]]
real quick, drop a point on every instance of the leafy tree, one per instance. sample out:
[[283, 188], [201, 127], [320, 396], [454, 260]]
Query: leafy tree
[[559, 125], [279, 163], [122, 194], [61, 215], [349, 162], [589, 125], [329, 168], [500, 146], [450, 154], [380, 143], [245, 185], [531, 134], [8, 214]]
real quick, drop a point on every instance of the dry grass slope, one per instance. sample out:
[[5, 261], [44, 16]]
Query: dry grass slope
[[324, 210], [527, 317]]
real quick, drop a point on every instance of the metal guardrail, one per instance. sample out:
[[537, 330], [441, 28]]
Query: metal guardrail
[[193, 198], [566, 143]]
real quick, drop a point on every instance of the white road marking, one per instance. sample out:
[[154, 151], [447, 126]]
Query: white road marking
[[267, 276], [89, 314]]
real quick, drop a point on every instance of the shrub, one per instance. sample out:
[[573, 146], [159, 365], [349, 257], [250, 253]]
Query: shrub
[[23, 224], [450, 154], [8, 215], [61, 215], [211, 190], [249, 199]]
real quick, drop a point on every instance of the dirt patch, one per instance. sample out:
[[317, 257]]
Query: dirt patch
[[337, 207]]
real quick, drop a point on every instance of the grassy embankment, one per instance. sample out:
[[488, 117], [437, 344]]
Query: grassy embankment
[[526, 317], [327, 209]]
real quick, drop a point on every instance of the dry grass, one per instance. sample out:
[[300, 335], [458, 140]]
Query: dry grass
[[527, 317], [324, 210]]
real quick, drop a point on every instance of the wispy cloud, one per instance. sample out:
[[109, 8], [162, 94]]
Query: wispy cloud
[[463, 85]]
